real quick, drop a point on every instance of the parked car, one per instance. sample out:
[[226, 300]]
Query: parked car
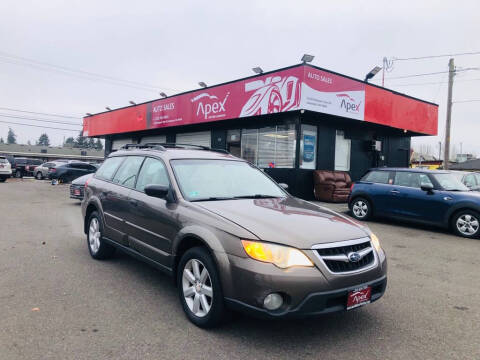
[[24, 166], [469, 179], [425, 196], [66, 172], [229, 235], [5, 169], [77, 187], [41, 171]]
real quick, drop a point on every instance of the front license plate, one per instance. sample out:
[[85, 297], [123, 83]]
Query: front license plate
[[77, 192], [359, 297]]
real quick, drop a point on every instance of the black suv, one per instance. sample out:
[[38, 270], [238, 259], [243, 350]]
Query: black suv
[[24, 166], [231, 237]]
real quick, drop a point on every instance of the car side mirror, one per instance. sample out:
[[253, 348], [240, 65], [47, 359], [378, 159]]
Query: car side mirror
[[158, 191], [427, 187], [283, 186]]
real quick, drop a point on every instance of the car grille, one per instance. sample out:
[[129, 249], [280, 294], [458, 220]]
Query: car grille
[[78, 188], [336, 257]]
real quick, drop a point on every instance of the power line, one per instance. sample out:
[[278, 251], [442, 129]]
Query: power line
[[77, 75], [433, 83], [432, 73], [37, 126], [436, 56], [428, 74], [37, 119], [40, 113], [18, 60], [466, 101]]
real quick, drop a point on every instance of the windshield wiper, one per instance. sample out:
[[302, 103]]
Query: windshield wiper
[[256, 196], [214, 198]]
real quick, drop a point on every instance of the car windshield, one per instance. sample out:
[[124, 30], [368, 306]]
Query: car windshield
[[3, 160], [450, 182], [202, 180]]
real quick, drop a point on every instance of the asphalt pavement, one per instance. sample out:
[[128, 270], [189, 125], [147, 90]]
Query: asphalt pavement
[[58, 303]]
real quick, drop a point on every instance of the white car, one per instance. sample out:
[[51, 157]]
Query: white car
[[5, 169]]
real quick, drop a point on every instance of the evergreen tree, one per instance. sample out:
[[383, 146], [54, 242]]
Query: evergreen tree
[[43, 140], [11, 137], [81, 141], [91, 143], [70, 142], [99, 145]]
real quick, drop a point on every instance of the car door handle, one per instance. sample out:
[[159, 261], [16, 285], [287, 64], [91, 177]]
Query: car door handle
[[395, 192], [133, 202]]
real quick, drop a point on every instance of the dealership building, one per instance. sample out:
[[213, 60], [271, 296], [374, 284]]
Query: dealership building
[[288, 122]]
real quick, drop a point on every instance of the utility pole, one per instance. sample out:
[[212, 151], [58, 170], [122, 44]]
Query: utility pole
[[451, 74], [439, 150]]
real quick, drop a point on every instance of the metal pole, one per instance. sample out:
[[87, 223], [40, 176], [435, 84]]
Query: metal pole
[[451, 74], [383, 71]]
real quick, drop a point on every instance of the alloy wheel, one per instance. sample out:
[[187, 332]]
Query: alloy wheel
[[467, 224], [360, 209], [197, 288], [94, 235]]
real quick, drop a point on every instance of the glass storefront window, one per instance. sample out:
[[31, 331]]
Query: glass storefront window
[[270, 147], [308, 147], [342, 152]]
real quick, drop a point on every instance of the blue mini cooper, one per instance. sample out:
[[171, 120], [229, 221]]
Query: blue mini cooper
[[424, 196]]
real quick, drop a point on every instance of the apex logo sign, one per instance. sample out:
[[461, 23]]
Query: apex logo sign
[[210, 106], [348, 103]]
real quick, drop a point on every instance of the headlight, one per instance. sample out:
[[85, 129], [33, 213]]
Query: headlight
[[281, 256], [375, 241]]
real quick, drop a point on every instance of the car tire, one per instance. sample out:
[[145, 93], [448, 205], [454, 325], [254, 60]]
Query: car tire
[[18, 174], [97, 247], [39, 175], [3, 179], [200, 292], [361, 208], [466, 223]]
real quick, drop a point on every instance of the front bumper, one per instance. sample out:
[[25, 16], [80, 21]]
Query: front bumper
[[306, 290], [314, 304]]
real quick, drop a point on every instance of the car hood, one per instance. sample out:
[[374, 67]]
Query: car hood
[[288, 221]]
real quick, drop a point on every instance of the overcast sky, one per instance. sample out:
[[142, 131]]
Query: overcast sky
[[173, 45]]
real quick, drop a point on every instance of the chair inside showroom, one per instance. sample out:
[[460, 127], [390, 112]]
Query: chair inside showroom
[[331, 186]]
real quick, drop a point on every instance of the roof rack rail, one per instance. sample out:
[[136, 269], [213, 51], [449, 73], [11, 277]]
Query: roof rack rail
[[186, 146], [164, 146], [143, 146]]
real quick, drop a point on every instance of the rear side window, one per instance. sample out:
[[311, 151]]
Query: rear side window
[[470, 181], [109, 167], [153, 173], [411, 179], [477, 176], [379, 177], [127, 173]]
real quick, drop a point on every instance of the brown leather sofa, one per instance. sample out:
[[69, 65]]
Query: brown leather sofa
[[331, 186]]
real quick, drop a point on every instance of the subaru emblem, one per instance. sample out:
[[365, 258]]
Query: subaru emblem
[[354, 257]]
